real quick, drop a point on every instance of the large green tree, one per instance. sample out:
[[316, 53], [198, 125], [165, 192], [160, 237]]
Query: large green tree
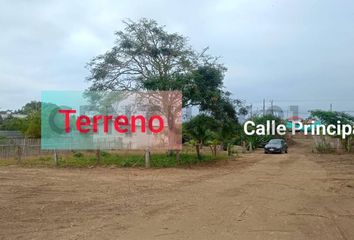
[[144, 55], [147, 57], [201, 129], [331, 117], [28, 108], [30, 125]]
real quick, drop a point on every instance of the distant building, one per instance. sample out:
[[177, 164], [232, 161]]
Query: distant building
[[295, 119], [6, 114], [16, 115]]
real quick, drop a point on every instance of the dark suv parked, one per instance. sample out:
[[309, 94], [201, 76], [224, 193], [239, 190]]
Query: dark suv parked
[[276, 146]]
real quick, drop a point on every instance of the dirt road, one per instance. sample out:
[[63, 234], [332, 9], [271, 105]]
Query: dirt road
[[299, 195]]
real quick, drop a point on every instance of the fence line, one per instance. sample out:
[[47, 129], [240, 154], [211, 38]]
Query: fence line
[[21, 148]]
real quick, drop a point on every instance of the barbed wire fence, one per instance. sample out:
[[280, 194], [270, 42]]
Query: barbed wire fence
[[21, 149]]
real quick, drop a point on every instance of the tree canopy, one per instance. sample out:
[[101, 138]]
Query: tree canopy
[[30, 125], [147, 57], [28, 108], [331, 117], [144, 54]]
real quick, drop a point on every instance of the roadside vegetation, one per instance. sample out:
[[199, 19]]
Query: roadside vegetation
[[118, 159], [332, 117], [255, 141], [29, 124]]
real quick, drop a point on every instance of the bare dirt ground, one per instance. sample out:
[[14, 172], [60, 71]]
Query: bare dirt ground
[[299, 195]]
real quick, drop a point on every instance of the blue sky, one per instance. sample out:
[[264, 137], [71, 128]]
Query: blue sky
[[292, 51]]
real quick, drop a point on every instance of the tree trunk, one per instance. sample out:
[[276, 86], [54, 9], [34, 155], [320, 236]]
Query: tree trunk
[[197, 149], [213, 150], [229, 149]]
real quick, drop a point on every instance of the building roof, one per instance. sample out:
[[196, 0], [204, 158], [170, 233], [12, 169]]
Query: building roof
[[295, 118]]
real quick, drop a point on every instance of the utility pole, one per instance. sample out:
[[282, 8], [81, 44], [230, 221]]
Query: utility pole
[[263, 106], [271, 106], [330, 107]]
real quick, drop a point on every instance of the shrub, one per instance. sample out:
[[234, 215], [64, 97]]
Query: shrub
[[105, 154], [78, 154], [324, 147]]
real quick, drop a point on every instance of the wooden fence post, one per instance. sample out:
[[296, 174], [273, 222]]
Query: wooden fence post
[[147, 158], [24, 149], [178, 157], [55, 156], [98, 156], [19, 153]]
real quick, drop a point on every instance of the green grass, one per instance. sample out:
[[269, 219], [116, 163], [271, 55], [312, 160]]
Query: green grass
[[133, 159]]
